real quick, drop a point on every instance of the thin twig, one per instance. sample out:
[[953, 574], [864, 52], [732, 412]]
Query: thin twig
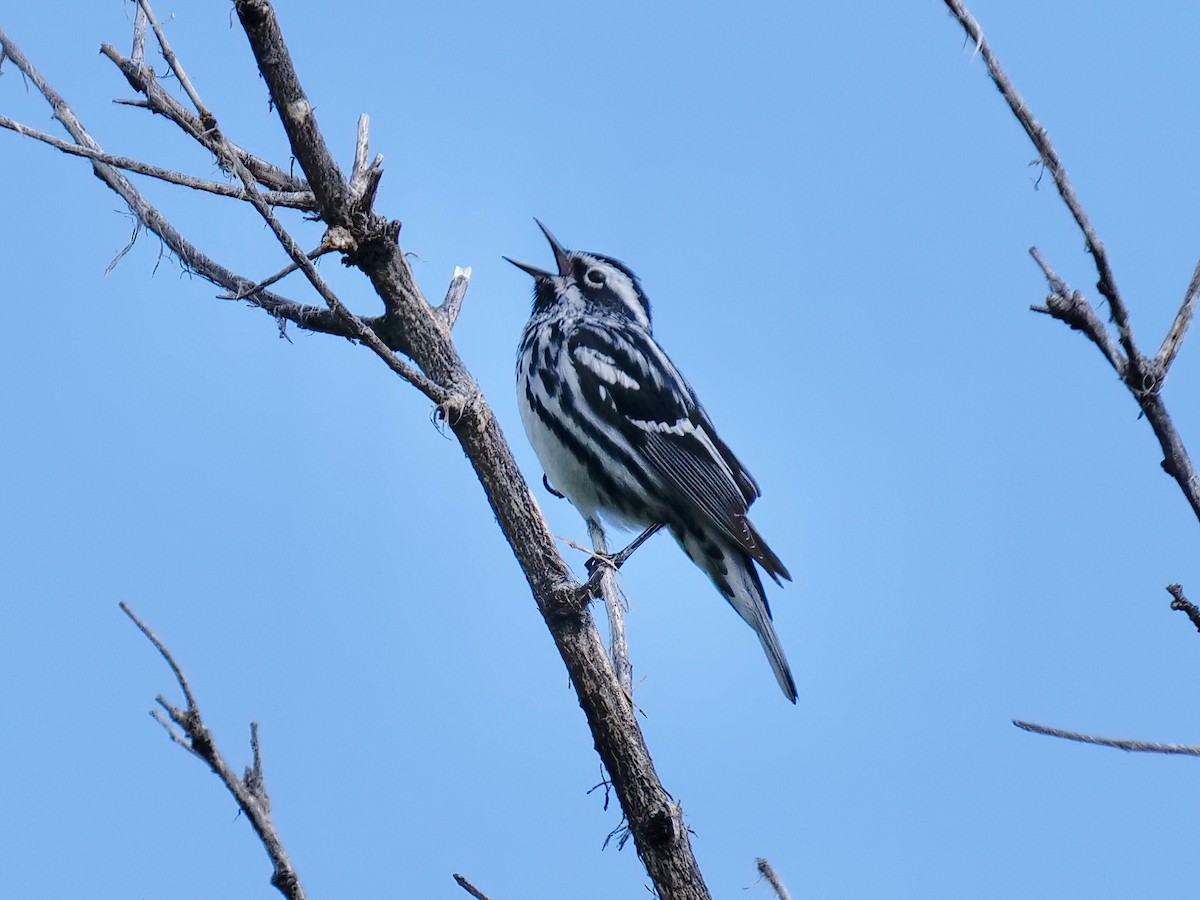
[[1119, 744], [143, 80], [186, 728], [320, 251], [193, 259], [188, 696], [357, 326], [336, 237], [1183, 604], [469, 888], [767, 871], [303, 200], [173, 62], [1071, 307], [618, 646]]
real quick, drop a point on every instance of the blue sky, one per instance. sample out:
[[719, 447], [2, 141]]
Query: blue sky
[[830, 208]]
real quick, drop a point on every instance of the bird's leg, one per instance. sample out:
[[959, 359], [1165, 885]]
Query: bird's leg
[[616, 560]]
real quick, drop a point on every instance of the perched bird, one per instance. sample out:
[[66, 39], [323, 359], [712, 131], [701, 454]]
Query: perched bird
[[620, 432]]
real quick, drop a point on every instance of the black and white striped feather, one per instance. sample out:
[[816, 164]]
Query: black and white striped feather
[[620, 432]]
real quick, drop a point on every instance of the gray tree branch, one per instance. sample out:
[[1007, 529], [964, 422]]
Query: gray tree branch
[[302, 200], [1117, 743], [655, 820], [186, 727], [767, 871], [420, 332], [1143, 376], [469, 888]]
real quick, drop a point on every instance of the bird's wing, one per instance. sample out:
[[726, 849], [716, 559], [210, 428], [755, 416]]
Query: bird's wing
[[630, 383]]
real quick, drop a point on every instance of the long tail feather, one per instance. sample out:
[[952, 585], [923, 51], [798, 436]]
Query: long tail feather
[[732, 571]]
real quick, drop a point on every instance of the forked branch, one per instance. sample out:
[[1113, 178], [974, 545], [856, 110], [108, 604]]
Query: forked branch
[[1143, 376], [186, 727], [421, 333]]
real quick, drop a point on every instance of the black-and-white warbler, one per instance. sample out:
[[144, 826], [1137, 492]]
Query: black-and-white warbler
[[620, 432]]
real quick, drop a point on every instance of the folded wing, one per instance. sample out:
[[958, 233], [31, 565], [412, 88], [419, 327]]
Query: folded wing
[[632, 384]]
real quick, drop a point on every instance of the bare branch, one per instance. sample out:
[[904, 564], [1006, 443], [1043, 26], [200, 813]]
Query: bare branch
[[138, 52], [310, 317], [335, 238], [172, 61], [411, 326], [469, 888], [295, 112], [362, 145], [1071, 307], [188, 696], [359, 328], [1183, 318], [143, 80], [767, 871], [454, 295], [1181, 603], [320, 251], [303, 200], [1142, 376], [1107, 284], [1119, 744], [186, 727], [655, 820], [364, 178]]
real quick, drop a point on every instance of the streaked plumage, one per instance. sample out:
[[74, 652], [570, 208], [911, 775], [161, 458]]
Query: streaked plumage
[[620, 432]]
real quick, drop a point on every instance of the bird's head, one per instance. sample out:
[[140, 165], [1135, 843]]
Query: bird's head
[[587, 282]]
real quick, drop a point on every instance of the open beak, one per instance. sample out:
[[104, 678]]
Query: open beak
[[561, 258]]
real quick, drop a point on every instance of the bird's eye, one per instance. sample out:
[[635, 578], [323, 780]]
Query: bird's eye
[[594, 276]]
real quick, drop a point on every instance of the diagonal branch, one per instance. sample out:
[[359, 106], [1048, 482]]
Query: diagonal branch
[[1107, 284], [1071, 307], [249, 792], [469, 888], [1117, 743], [1183, 318], [1142, 376], [655, 820], [169, 56], [411, 326], [295, 112], [359, 329], [143, 80], [767, 871], [293, 199], [309, 317]]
